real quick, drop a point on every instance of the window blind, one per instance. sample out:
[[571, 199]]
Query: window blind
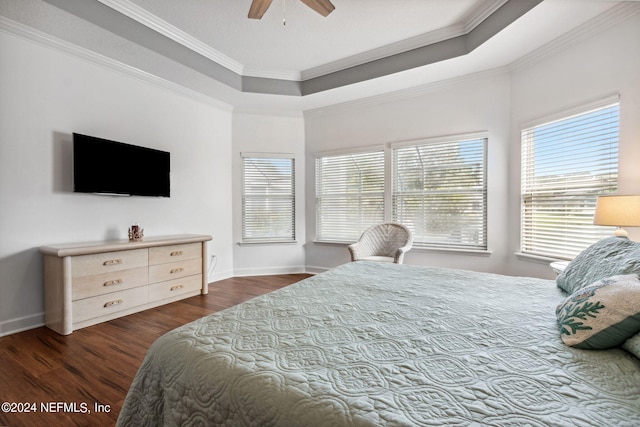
[[566, 165], [268, 199], [439, 191], [349, 194]]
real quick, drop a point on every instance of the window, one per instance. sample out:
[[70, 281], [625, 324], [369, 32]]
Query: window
[[268, 198], [566, 164], [349, 194], [439, 191]]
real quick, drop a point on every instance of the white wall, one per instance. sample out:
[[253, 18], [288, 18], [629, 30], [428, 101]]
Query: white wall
[[475, 103], [45, 96], [549, 81], [602, 65], [260, 133]]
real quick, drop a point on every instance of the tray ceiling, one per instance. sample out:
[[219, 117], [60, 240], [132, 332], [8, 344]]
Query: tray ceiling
[[364, 47]]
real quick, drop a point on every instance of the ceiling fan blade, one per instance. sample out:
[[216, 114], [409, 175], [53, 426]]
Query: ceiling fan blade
[[323, 7], [258, 8]]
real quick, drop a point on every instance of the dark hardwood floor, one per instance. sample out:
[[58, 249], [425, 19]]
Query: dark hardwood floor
[[63, 380]]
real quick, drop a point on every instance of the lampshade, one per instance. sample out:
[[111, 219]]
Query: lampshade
[[618, 211]]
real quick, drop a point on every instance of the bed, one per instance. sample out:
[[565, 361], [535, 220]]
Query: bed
[[372, 344]]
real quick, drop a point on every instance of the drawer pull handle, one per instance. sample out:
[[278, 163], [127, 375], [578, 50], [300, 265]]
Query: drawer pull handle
[[112, 262], [114, 302], [113, 282], [176, 253], [176, 287], [177, 270]]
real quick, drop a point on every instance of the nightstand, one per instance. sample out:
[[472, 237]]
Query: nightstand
[[559, 266]]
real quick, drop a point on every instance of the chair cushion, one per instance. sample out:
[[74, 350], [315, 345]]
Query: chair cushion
[[377, 258]]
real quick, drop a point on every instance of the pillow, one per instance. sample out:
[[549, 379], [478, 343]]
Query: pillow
[[602, 315], [608, 257], [632, 345]]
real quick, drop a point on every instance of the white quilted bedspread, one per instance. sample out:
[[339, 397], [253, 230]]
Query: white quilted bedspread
[[372, 344]]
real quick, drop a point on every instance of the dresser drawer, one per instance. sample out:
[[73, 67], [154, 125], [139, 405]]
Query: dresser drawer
[[101, 305], [100, 284], [108, 261], [165, 254], [168, 289], [174, 270]]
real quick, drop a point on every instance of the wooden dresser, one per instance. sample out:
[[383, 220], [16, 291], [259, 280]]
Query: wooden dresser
[[89, 283]]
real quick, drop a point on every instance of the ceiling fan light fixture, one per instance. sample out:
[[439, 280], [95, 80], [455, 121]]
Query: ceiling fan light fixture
[[259, 7], [323, 7]]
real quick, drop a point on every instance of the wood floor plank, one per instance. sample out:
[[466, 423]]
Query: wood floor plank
[[95, 365]]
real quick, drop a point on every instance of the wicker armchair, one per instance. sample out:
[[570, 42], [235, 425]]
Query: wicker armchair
[[382, 242]]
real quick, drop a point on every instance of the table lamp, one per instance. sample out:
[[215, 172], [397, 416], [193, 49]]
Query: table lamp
[[620, 211]]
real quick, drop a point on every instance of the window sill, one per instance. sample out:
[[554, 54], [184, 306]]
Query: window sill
[[270, 242], [478, 252], [333, 242], [537, 258]]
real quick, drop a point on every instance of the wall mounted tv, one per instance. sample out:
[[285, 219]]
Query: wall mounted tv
[[109, 167]]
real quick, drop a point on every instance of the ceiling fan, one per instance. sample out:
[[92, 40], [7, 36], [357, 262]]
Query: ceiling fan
[[259, 7]]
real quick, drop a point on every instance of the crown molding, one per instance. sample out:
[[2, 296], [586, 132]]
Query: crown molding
[[136, 24], [151, 21], [384, 51], [272, 74], [483, 13], [405, 45], [596, 25], [590, 28], [144, 17], [403, 94], [25, 32]]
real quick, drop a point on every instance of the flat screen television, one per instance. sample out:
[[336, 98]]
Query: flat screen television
[[102, 166]]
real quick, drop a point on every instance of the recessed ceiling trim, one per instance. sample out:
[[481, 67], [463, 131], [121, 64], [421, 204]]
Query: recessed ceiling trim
[[405, 45], [594, 26], [122, 25], [113, 15], [476, 18], [48, 41], [414, 58], [149, 20], [483, 13], [425, 55]]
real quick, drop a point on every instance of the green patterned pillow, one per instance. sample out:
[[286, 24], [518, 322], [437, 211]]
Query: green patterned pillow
[[602, 315], [608, 257]]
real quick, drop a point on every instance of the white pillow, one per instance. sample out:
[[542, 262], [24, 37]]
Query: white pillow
[[632, 345]]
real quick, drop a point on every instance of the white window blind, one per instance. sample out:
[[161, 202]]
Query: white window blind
[[268, 199], [566, 164], [440, 192], [349, 194]]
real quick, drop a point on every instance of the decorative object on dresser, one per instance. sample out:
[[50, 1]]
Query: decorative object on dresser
[[136, 232], [559, 266], [89, 283]]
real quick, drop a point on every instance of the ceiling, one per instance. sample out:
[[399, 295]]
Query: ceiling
[[309, 44], [293, 59]]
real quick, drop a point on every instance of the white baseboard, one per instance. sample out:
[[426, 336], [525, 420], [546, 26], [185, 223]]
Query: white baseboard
[[19, 324], [316, 270], [217, 276], [243, 272]]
